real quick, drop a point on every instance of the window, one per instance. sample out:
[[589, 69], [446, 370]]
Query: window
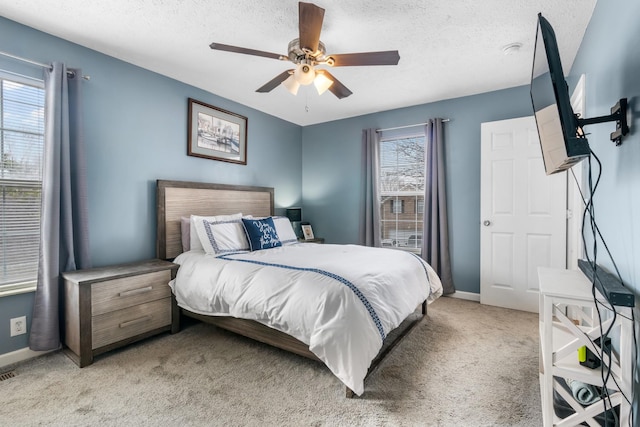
[[21, 156], [402, 181], [397, 206]]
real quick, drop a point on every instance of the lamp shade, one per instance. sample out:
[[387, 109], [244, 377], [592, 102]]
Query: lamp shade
[[294, 214], [322, 83], [292, 85]]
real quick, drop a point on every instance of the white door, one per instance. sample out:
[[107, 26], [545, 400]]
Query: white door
[[523, 215]]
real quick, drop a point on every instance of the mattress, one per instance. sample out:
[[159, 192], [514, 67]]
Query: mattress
[[341, 300]]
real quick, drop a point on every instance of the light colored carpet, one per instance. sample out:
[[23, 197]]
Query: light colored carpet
[[466, 365]]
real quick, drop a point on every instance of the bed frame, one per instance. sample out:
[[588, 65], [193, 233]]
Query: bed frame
[[176, 199]]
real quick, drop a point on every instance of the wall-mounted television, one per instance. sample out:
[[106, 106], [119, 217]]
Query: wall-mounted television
[[561, 137], [562, 144]]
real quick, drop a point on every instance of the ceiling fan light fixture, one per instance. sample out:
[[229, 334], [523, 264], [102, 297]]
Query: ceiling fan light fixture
[[291, 84], [322, 83], [304, 74], [307, 51]]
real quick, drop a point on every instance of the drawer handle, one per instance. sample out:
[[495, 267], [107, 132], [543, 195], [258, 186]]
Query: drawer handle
[[135, 291], [135, 321]]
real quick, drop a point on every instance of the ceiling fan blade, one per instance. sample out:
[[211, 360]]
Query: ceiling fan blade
[[387, 57], [310, 25], [337, 88], [272, 84], [244, 50]]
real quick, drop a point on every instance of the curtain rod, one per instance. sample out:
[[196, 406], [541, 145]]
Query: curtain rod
[[409, 126], [38, 64]]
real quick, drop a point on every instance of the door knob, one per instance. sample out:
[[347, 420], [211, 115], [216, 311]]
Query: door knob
[[486, 223]]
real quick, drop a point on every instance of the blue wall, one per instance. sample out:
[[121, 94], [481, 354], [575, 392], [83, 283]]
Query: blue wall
[[610, 59], [331, 170], [133, 115], [136, 131]]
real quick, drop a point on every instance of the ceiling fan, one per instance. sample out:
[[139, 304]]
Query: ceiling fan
[[307, 51]]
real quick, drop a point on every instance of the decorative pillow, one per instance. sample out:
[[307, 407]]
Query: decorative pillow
[[185, 233], [197, 227], [285, 230], [223, 237], [261, 233]]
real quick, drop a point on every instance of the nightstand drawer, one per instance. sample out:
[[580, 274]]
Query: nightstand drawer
[[121, 324], [117, 294]]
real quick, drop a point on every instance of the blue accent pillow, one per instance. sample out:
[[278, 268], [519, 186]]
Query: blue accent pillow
[[261, 233]]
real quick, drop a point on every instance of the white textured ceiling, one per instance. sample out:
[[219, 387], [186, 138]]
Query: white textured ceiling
[[448, 48]]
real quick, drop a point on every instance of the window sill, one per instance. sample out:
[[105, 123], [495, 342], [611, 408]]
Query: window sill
[[21, 288], [416, 251]]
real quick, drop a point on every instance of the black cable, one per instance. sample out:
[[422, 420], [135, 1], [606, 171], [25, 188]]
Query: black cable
[[603, 336], [615, 266], [634, 358], [589, 208]]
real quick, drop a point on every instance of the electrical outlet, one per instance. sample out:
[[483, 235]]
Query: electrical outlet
[[18, 326]]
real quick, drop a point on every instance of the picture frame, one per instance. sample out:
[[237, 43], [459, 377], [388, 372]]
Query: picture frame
[[307, 232], [216, 134]]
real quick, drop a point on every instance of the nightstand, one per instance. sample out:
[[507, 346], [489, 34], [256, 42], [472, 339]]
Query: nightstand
[[315, 240], [107, 308]]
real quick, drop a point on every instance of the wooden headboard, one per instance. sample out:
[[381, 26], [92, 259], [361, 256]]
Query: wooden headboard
[[176, 199]]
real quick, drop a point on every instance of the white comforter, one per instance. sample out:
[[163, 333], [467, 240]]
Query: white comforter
[[341, 300]]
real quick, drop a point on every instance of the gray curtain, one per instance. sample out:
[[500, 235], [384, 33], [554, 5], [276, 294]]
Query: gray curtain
[[370, 211], [435, 234], [64, 244]]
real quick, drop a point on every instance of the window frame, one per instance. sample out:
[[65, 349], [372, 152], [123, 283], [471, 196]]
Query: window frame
[[26, 286], [399, 196]]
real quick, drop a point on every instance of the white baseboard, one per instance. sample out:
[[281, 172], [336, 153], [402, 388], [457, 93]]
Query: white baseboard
[[471, 296], [19, 356]]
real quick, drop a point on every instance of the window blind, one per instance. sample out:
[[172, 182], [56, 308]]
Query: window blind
[[401, 189], [21, 157]]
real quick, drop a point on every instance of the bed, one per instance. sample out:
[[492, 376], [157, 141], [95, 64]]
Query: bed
[[351, 354]]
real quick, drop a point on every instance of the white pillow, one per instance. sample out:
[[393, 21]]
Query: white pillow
[[285, 230], [222, 236], [194, 237]]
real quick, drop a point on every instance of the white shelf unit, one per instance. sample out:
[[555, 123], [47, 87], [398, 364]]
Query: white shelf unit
[[569, 320]]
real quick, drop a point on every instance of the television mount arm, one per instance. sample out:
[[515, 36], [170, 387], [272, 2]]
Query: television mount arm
[[618, 115]]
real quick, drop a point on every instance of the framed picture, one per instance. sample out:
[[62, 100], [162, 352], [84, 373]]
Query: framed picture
[[216, 134], [307, 232]]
